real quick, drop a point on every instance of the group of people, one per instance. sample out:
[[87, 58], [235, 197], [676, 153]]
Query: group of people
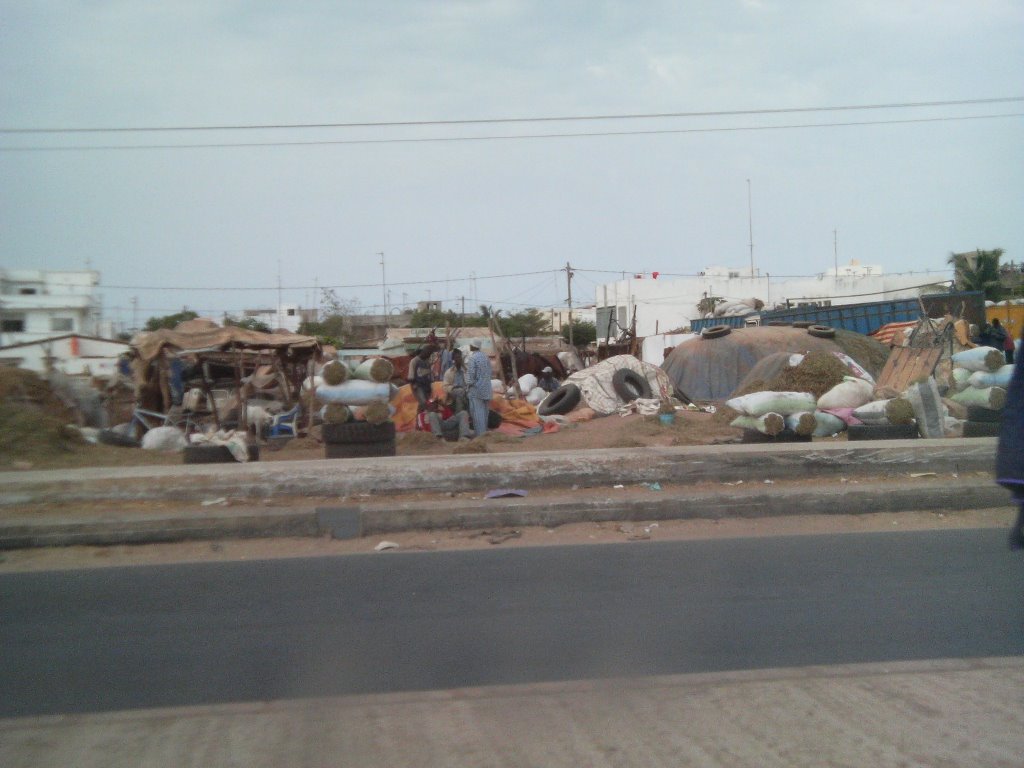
[[995, 335], [467, 393]]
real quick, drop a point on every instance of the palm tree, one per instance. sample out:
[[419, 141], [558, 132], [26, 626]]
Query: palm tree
[[978, 271]]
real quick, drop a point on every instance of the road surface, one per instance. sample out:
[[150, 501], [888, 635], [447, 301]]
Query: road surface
[[124, 638]]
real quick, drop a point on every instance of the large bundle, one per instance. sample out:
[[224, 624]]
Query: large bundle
[[769, 424], [596, 382], [377, 369], [354, 392], [980, 359], [784, 403], [851, 392]]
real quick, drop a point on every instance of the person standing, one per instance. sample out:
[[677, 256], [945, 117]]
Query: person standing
[[1010, 453], [454, 383], [478, 380], [421, 377]]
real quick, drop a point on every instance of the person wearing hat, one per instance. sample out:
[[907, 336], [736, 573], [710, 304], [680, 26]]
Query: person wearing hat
[[478, 382], [547, 380]]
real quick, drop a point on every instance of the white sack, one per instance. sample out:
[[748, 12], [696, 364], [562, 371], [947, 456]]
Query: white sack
[[827, 424], [960, 378], [873, 412], [980, 359], [784, 403], [595, 382], [851, 392], [354, 392], [802, 423], [497, 386], [999, 378], [164, 439], [536, 396], [929, 412], [527, 382], [993, 398], [767, 424]]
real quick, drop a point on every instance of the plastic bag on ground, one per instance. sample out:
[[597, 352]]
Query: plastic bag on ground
[[164, 439]]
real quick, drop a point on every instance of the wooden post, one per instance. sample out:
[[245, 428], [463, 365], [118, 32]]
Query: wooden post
[[163, 371], [311, 369], [497, 349], [209, 394]]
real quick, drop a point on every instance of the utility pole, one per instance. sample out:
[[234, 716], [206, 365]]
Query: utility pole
[[383, 287], [568, 280], [750, 224], [135, 313], [463, 300], [835, 252]]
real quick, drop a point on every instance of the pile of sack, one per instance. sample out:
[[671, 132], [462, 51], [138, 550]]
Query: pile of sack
[[359, 393]]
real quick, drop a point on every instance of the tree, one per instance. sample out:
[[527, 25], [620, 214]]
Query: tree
[[434, 318], [334, 328], [978, 271], [583, 332], [249, 323], [170, 321], [531, 322]]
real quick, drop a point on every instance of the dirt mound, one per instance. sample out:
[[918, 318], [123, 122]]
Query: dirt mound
[[33, 421], [712, 369]]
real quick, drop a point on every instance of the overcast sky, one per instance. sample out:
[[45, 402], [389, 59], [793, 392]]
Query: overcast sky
[[903, 195]]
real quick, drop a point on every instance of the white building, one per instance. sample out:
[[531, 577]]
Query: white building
[[560, 316], [286, 317], [37, 304], [663, 305], [72, 354]]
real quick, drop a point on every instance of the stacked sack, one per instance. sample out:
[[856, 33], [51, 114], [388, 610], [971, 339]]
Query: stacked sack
[[977, 389], [773, 413], [356, 413]]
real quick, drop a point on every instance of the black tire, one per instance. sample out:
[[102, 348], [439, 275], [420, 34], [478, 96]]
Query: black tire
[[630, 385], [110, 437], [785, 436], [981, 428], [802, 323], [215, 454], [978, 414], [821, 331], [494, 419], [881, 432], [561, 401], [359, 450], [715, 331], [357, 432]]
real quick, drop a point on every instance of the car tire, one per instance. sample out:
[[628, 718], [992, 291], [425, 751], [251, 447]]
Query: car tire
[[356, 432], [715, 331], [630, 385], [821, 331], [881, 432], [215, 454], [359, 450], [561, 401]]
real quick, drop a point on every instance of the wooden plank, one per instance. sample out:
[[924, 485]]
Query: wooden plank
[[906, 365]]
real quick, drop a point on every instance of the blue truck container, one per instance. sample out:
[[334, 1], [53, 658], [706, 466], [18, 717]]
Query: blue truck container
[[863, 318]]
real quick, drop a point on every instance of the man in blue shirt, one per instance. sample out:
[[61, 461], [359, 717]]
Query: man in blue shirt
[[478, 380]]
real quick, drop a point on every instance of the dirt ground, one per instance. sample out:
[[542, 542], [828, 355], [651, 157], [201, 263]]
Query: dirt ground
[[690, 428]]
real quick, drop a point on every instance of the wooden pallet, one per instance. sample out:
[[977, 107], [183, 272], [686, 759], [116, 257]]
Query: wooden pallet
[[907, 365]]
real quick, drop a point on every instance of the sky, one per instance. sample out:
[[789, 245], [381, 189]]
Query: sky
[[219, 228]]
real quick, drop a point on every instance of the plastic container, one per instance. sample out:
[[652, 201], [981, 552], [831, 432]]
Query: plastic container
[[667, 419]]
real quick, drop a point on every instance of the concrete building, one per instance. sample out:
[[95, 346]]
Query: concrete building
[[560, 316], [664, 304], [287, 317], [72, 354], [38, 304]]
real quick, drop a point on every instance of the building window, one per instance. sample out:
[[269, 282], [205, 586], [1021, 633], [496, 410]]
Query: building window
[[12, 325], [291, 313], [27, 291], [62, 324]]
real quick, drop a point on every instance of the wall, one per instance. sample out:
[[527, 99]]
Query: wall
[[73, 355], [46, 304]]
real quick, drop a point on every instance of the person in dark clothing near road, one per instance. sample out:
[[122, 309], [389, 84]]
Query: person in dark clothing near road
[[997, 335], [421, 377], [547, 380], [1010, 455]]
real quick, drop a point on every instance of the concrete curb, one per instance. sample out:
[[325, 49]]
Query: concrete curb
[[468, 473], [352, 521]]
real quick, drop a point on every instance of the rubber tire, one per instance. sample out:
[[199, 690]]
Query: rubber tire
[[494, 419], [215, 454], [881, 432], [630, 385], [359, 450], [357, 432], [821, 331], [715, 331], [802, 323], [785, 436], [981, 428], [978, 414], [110, 437], [561, 401]]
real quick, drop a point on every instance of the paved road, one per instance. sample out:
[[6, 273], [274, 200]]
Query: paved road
[[87, 641]]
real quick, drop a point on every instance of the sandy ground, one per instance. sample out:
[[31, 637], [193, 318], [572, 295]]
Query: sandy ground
[[690, 428]]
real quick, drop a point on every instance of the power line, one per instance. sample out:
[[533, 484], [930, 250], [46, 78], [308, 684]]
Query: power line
[[507, 120], [498, 137], [328, 287]]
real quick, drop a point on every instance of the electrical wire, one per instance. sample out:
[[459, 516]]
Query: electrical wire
[[499, 137], [507, 120]]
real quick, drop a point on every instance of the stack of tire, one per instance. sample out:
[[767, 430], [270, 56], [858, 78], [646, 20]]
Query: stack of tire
[[360, 392]]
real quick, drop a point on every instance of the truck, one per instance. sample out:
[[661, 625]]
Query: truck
[[863, 318]]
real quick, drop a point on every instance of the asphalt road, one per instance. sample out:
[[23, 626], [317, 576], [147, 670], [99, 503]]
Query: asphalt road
[[85, 641]]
